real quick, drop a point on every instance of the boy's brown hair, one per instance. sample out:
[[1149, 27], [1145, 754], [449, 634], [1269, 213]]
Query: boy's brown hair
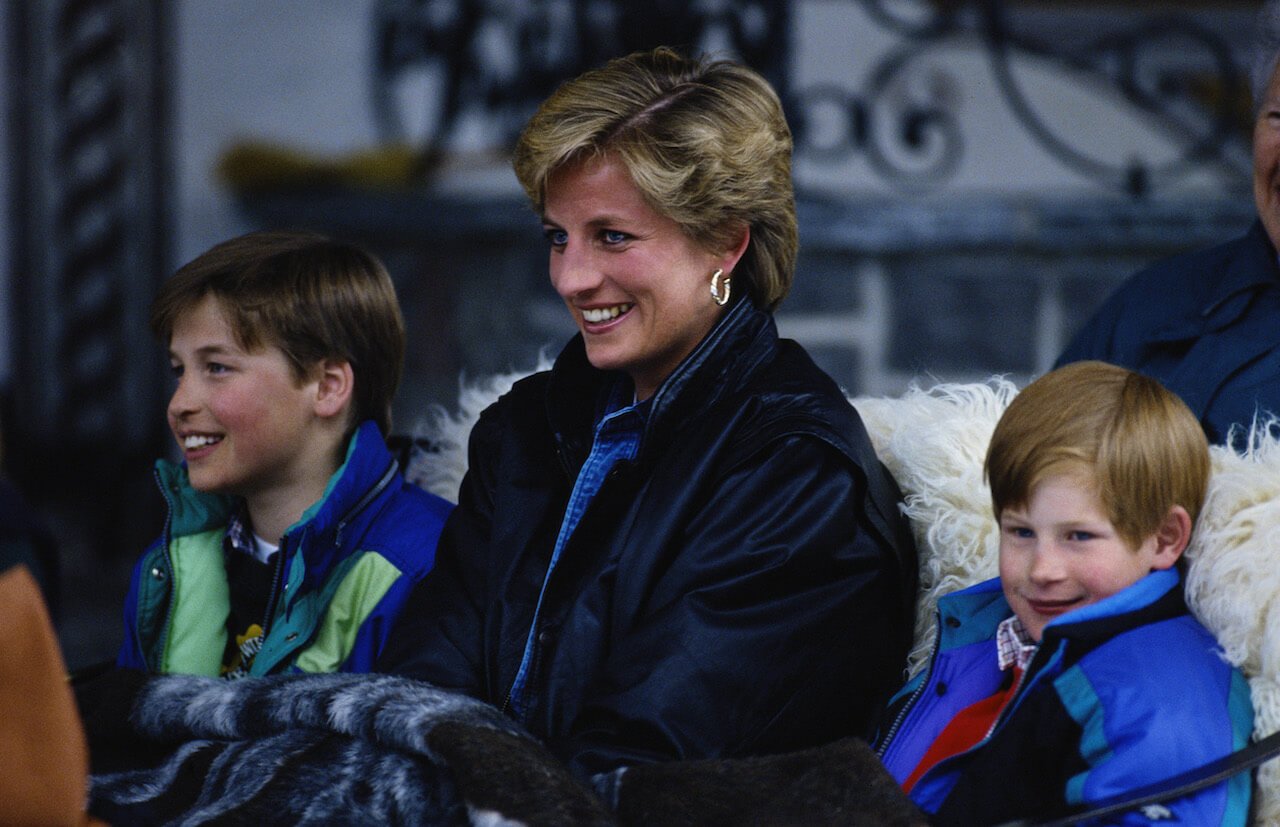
[[313, 297], [1138, 443]]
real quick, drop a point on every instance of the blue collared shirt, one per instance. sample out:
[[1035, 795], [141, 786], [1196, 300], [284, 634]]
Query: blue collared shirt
[[617, 437]]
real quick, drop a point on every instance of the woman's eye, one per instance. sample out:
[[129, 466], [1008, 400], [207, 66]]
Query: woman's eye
[[1079, 536], [613, 237], [216, 368], [557, 238]]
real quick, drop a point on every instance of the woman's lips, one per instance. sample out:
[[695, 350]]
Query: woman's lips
[[601, 318]]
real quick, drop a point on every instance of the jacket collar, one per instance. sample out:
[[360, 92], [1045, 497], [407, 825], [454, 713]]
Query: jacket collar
[[1253, 265], [190, 511], [978, 609], [741, 340], [366, 471], [1158, 596]]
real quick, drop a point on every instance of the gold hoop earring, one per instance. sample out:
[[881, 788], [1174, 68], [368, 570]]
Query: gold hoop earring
[[720, 298]]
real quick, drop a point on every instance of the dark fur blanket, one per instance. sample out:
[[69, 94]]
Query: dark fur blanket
[[322, 749], [376, 749]]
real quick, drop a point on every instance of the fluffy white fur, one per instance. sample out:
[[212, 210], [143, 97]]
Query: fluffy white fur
[[1234, 581], [933, 440], [441, 469]]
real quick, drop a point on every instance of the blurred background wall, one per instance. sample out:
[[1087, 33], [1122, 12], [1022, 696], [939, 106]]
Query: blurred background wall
[[973, 177]]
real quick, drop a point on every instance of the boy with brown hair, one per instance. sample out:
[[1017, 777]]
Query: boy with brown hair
[[292, 538], [1078, 674]]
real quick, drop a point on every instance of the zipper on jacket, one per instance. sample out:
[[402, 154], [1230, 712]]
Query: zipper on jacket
[[369, 497], [506, 702], [535, 666], [915, 696], [1025, 679], [1028, 677], [1008, 707], [275, 597]]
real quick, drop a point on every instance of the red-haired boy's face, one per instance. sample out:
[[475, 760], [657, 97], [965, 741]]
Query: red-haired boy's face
[[1059, 551]]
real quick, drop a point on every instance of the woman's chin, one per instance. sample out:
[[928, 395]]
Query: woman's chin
[[604, 357]]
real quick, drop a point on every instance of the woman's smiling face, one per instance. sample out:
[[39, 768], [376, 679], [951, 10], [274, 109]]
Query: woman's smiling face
[[637, 286]]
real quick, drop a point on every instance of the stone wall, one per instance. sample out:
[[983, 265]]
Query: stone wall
[[886, 291]]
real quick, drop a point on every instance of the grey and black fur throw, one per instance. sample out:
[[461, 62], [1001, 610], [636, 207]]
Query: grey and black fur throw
[[322, 749], [377, 749]]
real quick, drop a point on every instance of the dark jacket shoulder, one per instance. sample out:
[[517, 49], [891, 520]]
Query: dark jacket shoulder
[[1176, 299]]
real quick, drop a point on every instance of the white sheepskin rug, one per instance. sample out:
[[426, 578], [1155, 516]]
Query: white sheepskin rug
[[441, 468], [1233, 585], [933, 440]]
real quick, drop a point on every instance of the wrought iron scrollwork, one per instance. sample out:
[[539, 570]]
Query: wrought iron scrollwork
[[912, 138], [1122, 51], [502, 58]]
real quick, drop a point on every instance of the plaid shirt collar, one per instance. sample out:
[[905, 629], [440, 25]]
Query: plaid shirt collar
[[1014, 645]]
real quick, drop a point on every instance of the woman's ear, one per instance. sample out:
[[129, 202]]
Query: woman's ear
[[735, 252], [335, 384], [1171, 538]]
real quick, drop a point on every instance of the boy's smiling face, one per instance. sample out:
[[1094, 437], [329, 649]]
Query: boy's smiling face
[[1059, 551], [241, 418]]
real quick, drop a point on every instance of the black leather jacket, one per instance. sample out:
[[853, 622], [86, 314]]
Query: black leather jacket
[[744, 586]]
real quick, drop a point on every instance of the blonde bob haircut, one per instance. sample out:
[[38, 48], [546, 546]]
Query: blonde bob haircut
[[705, 142], [312, 297], [1136, 442]]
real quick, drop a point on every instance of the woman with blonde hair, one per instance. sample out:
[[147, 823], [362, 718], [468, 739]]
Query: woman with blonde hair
[[678, 542]]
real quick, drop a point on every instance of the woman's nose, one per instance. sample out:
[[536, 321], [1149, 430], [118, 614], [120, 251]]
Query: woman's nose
[[574, 271]]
